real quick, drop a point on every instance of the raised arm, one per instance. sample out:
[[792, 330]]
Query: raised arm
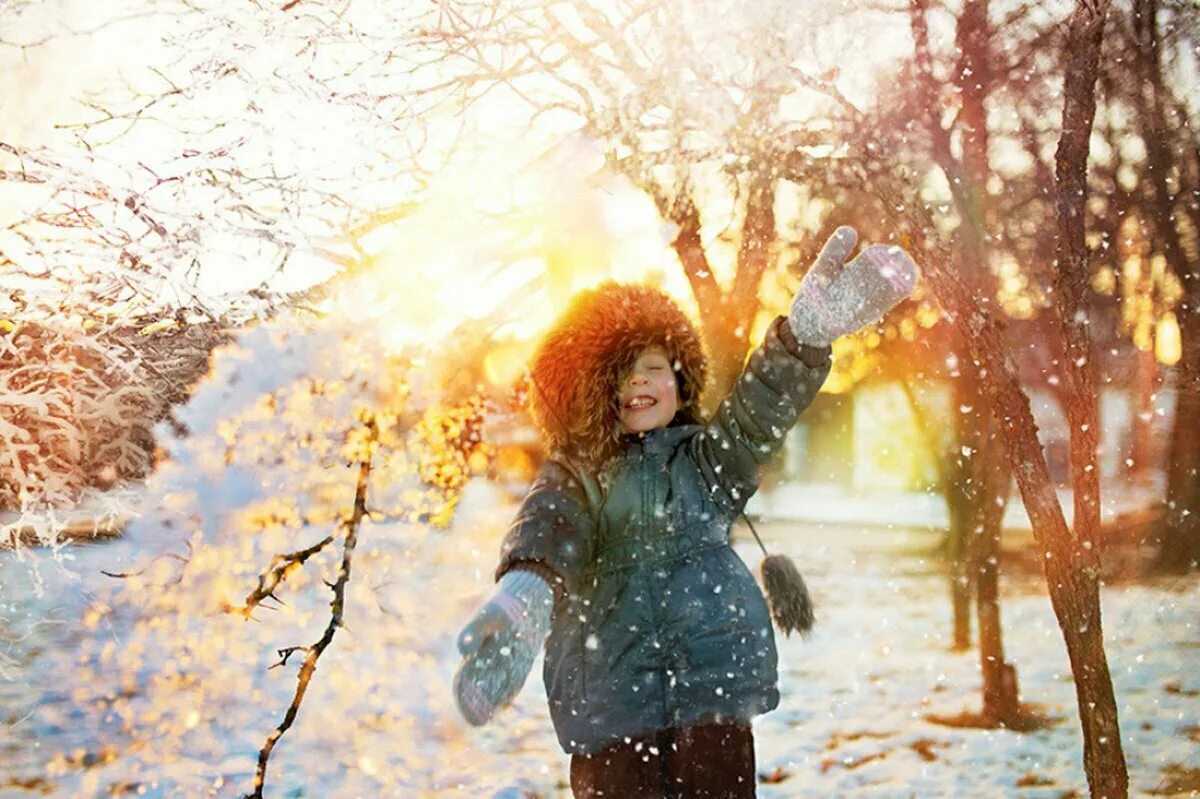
[[784, 374], [779, 381]]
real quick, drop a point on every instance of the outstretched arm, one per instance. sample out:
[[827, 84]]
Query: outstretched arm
[[787, 370], [541, 557], [779, 381]]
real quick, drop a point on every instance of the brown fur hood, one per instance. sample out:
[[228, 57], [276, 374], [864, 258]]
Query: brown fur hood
[[576, 370]]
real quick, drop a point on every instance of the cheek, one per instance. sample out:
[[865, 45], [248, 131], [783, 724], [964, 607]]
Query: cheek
[[670, 387]]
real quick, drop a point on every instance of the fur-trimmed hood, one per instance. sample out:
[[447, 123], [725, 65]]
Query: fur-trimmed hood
[[576, 369]]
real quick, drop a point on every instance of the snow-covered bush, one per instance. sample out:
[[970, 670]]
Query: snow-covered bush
[[261, 466], [72, 416]]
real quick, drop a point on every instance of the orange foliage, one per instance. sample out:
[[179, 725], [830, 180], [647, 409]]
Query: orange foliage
[[452, 449]]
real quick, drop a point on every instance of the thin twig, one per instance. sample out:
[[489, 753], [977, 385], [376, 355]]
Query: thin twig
[[286, 653], [278, 570], [172, 555], [313, 652]]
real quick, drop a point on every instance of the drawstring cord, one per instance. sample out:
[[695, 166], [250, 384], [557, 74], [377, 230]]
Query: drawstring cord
[[750, 524]]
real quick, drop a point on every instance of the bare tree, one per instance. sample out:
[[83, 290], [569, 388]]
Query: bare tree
[[681, 97], [1078, 606], [1173, 172], [1070, 557], [131, 214], [141, 189], [910, 135], [983, 477]]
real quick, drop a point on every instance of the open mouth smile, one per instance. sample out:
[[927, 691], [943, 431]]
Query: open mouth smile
[[640, 402]]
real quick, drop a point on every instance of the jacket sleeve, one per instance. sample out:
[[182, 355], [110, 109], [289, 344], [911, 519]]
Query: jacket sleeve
[[552, 532], [779, 381]]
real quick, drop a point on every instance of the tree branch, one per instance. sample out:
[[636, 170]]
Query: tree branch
[[758, 232], [689, 247], [337, 606], [276, 573]]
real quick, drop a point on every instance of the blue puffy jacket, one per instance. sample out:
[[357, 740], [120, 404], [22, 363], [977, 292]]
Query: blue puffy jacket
[[658, 622]]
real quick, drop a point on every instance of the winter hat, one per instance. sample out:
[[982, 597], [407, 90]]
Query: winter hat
[[577, 367]]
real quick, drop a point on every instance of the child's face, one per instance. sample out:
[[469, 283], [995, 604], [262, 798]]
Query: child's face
[[649, 394]]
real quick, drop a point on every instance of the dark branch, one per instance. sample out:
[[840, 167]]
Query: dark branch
[[172, 555], [313, 653], [277, 572]]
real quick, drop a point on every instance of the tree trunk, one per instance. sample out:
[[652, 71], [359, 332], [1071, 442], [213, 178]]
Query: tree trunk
[[953, 484], [964, 496], [727, 317], [718, 323], [1000, 696], [725, 334], [1179, 548], [1180, 533], [989, 486], [1142, 417], [974, 76], [961, 575], [1072, 567], [977, 426]]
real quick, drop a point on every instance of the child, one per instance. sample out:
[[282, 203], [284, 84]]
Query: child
[[660, 648]]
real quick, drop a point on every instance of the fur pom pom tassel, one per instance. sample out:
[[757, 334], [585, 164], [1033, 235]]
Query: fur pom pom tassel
[[787, 595]]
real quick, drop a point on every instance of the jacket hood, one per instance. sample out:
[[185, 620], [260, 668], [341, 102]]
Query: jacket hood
[[576, 369]]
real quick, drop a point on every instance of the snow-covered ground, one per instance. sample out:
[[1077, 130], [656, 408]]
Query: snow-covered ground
[[106, 693], [829, 503]]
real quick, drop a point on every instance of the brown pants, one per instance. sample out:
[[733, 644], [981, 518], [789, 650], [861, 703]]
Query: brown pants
[[707, 761]]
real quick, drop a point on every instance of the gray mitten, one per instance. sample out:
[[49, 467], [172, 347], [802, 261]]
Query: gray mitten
[[500, 644], [834, 300]]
